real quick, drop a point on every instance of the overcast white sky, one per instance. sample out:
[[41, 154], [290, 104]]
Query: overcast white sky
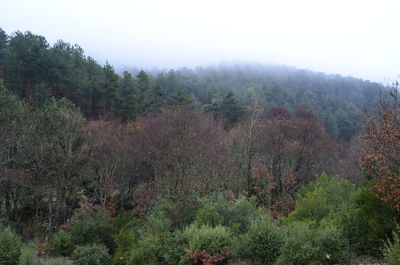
[[350, 37]]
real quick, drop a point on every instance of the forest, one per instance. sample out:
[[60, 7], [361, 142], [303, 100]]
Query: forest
[[228, 164]]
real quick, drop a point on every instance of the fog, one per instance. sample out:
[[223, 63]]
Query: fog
[[358, 38]]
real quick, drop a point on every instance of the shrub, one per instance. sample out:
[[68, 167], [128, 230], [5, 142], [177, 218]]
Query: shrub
[[298, 248], [375, 221], [212, 240], [181, 212], [199, 257], [208, 216], [10, 247], [61, 244], [56, 261], [125, 220], [331, 245], [94, 254], [262, 243], [391, 250], [88, 230], [125, 241], [306, 246], [322, 197], [29, 257], [236, 215], [157, 244]]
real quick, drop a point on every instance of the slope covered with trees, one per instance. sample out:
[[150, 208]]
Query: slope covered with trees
[[36, 71], [255, 164]]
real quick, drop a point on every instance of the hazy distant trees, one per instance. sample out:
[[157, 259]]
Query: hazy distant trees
[[36, 70]]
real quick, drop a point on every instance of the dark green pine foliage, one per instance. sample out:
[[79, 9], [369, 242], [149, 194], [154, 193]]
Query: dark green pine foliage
[[129, 100], [229, 109], [111, 87], [143, 83], [3, 49], [26, 63], [154, 99], [180, 98], [95, 91]]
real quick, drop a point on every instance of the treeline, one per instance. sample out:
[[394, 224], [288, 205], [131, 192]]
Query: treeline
[[36, 71]]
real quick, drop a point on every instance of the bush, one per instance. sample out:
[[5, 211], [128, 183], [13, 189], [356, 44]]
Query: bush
[[262, 243], [157, 244], [331, 245], [61, 244], [208, 216], [236, 215], [94, 254], [212, 240], [10, 247], [198, 257], [29, 257], [56, 261], [392, 250], [375, 221], [306, 246], [180, 212], [322, 197], [125, 220], [96, 229], [298, 248], [125, 242]]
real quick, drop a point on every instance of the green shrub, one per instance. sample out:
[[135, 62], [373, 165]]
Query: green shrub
[[262, 243], [208, 216], [236, 215], [298, 247], [157, 243], [96, 229], [56, 261], [209, 239], [125, 220], [323, 197], [94, 254], [306, 246], [391, 250], [181, 212], [29, 257], [331, 245], [10, 247], [61, 244], [375, 221], [125, 242]]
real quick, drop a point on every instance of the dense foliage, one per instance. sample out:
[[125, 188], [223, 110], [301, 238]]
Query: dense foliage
[[36, 70], [253, 164], [10, 246]]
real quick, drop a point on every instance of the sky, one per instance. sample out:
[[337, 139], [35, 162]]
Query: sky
[[351, 37]]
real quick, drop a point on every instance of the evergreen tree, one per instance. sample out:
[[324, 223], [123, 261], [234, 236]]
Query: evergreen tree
[[129, 104], [110, 87], [3, 48], [231, 110]]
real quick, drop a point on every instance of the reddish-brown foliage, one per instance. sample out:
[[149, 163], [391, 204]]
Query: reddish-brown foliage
[[199, 257], [382, 155]]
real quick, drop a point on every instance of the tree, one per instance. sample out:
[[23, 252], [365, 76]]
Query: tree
[[382, 156], [228, 109], [110, 87], [3, 48], [129, 106], [25, 61]]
